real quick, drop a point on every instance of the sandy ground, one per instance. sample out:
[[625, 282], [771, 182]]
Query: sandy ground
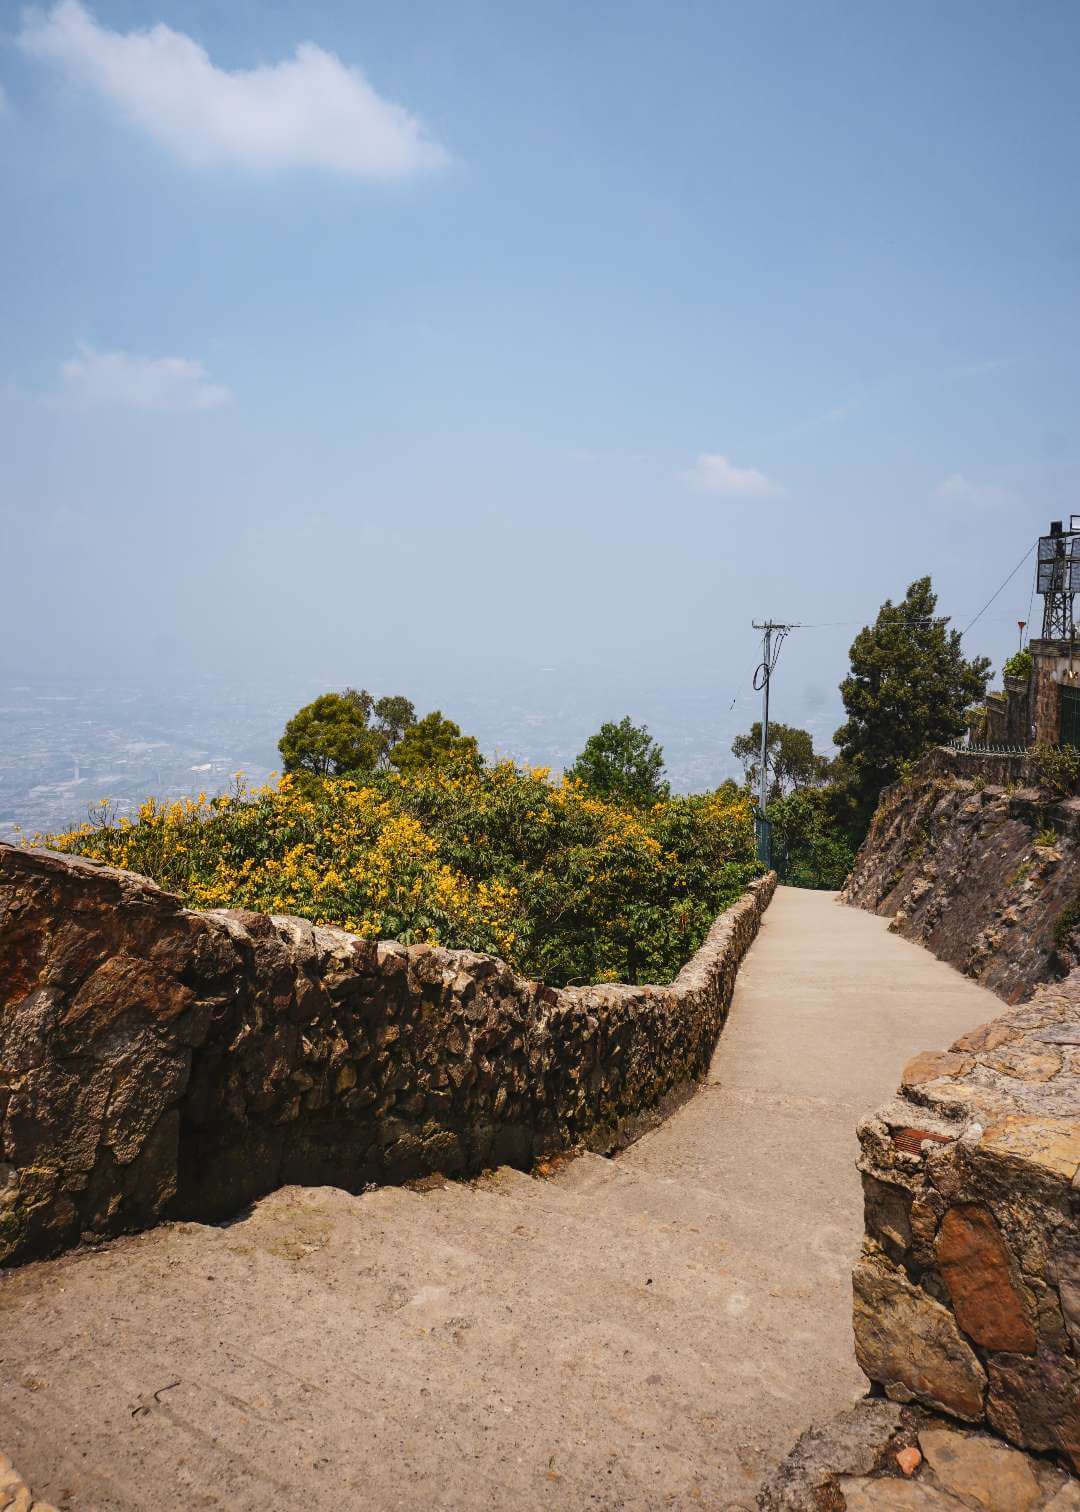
[[646, 1332]]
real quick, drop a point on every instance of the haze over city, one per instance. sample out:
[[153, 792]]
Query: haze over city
[[514, 361]]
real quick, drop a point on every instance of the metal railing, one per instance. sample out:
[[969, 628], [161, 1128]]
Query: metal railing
[[987, 750]]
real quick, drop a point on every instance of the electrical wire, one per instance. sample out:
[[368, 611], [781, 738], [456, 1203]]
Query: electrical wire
[[924, 619], [1007, 581], [763, 671]]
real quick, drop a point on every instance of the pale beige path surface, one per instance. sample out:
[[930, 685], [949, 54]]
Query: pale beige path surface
[[648, 1332]]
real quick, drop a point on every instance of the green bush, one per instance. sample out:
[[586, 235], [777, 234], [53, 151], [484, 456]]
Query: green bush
[[1055, 769], [1065, 923], [809, 847], [1018, 665], [565, 886]]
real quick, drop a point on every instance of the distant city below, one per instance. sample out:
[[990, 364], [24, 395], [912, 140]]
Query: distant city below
[[64, 748]]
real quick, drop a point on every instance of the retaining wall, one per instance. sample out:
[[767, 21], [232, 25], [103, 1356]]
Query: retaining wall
[[156, 1061], [955, 864], [967, 1295]]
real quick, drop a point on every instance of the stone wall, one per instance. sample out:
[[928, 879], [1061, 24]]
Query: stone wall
[[967, 1295], [1019, 726], [997, 719], [879, 1456], [1054, 664], [952, 858], [1005, 717], [156, 1061]]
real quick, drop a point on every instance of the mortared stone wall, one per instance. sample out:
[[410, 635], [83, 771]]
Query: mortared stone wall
[[967, 1294], [156, 1061]]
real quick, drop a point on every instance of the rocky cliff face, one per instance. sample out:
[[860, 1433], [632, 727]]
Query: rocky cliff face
[[156, 1060], [984, 873]]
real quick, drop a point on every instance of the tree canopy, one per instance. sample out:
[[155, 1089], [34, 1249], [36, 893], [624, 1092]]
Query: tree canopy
[[907, 690], [1019, 664], [435, 742], [339, 733], [791, 758], [394, 716], [622, 762], [810, 847]]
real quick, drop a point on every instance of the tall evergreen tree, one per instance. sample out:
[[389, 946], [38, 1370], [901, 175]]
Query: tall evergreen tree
[[907, 690], [622, 762]]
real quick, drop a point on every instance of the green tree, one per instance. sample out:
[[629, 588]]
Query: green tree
[[809, 846], [331, 735], [394, 715], [622, 762], [791, 758], [907, 690], [435, 742], [345, 732]]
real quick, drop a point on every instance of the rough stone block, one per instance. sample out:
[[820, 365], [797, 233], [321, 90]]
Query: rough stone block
[[878, 1457], [972, 1304]]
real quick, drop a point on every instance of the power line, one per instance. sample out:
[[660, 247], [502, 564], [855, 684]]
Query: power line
[[1007, 581], [924, 619], [764, 669], [762, 679]]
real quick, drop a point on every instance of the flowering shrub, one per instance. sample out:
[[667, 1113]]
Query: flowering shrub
[[564, 886]]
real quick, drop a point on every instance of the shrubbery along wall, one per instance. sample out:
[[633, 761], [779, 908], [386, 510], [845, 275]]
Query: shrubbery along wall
[[157, 1061]]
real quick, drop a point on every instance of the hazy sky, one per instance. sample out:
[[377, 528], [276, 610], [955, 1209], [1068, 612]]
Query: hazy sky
[[465, 336]]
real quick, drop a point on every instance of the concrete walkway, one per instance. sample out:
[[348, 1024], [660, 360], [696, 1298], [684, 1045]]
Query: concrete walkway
[[649, 1332]]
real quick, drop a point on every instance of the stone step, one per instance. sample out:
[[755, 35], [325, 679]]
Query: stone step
[[648, 1265], [640, 1201]]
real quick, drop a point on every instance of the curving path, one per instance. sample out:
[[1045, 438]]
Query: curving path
[[649, 1332]]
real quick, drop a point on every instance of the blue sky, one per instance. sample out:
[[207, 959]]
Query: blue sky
[[483, 336]]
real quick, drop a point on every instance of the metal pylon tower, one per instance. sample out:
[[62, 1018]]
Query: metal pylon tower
[[1059, 579]]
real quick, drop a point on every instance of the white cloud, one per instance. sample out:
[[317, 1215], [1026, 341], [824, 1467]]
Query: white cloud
[[147, 383], [309, 111], [713, 473], [964, 493]]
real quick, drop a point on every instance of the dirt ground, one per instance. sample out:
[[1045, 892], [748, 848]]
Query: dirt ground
[[650, 1332]]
